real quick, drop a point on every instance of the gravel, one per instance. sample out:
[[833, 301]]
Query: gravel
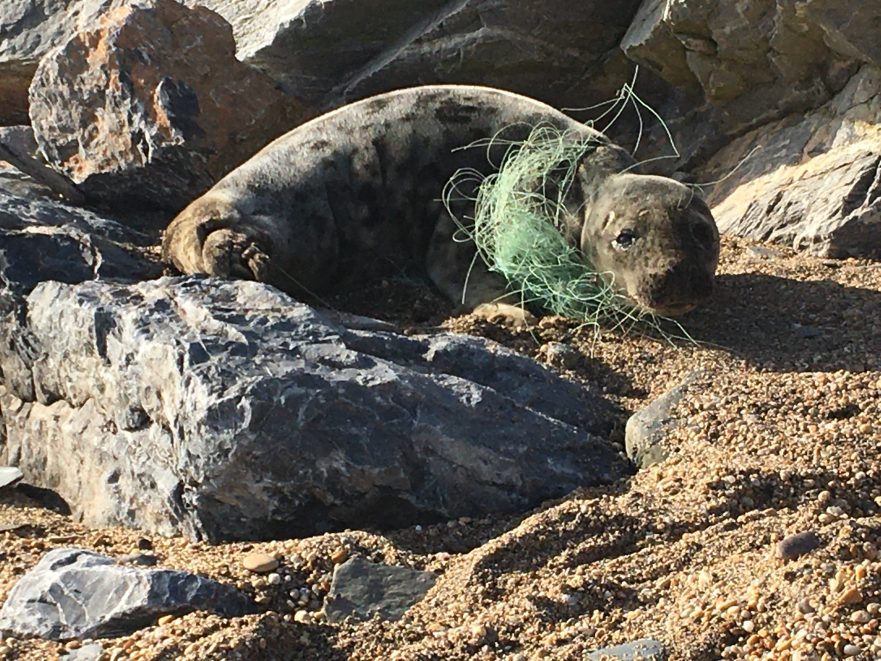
[[783, 439]]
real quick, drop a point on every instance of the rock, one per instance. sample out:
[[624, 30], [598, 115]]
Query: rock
[[745, 63], [809, 183], [28, 30], [44, 239], [75, 593], [260, 563], [797, 545], [143, 559], [226, 410], [9, 475], [89, 652], [646, 430], [148, 105], [560, 355], [362, 589], [334, 51], [18, 147], [645, 649]]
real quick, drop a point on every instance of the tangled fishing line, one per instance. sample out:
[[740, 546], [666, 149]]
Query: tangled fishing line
[[518, 213]]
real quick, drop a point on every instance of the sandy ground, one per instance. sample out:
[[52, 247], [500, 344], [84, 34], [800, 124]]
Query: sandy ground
[[784, 439]]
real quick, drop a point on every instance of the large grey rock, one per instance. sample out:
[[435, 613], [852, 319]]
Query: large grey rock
[[362, 589], [227, 410], [75, 593], [810, 181], [332, 51], [148, 105]]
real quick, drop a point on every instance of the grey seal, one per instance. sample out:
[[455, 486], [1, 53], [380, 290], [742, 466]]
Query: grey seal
[[357, 192]]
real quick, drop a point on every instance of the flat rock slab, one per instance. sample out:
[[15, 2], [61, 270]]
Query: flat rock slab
[[227, 410], [74, 593], [645, 649], [362, 589]]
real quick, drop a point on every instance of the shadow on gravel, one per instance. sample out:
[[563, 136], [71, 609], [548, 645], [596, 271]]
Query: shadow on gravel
[[791, 325]]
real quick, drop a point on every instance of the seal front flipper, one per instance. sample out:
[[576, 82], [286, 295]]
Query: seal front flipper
[[209, 237]]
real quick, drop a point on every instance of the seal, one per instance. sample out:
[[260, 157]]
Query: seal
[[357, 193]]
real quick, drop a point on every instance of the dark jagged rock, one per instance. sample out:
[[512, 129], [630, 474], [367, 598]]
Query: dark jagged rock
[[362, 589], [228, 410]]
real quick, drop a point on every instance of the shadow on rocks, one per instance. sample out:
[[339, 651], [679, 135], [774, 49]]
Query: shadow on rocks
[[790, 325]]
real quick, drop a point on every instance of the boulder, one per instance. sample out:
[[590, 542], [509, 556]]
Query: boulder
[[335, 51], [362, 589], [226, 410], [75, 593], [148, 107], [808, 181], [28, 30]]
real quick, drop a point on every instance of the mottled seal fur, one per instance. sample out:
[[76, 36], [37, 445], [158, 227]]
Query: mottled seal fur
[[357, 192]]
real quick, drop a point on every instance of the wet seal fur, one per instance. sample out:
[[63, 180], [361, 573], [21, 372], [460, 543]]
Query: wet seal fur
[[357, 192]]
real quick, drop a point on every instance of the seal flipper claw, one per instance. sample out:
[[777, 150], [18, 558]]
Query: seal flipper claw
[[233, 254]]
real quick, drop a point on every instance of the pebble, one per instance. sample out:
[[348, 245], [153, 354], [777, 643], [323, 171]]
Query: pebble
[[340, 556], [797, 545], [851, 596], [273, 579], [260, 563], [850, 650]]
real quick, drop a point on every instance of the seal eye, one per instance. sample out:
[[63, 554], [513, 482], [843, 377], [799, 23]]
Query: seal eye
[[625, 240]]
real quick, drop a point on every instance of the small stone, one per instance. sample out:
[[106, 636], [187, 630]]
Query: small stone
[[850, 650], [644, 650], [850, 596], [860, 617], [797, 545], [260, 563], [143, 559], [340, 555], [273, 579], [748, 626], [302, 617], [165, 619]]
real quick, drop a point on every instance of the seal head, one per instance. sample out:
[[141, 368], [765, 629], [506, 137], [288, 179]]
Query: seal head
[[654, 240]]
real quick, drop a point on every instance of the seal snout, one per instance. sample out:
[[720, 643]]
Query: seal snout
[[676, 290]]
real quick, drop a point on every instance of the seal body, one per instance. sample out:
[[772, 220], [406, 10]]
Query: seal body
[[358, 192]]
